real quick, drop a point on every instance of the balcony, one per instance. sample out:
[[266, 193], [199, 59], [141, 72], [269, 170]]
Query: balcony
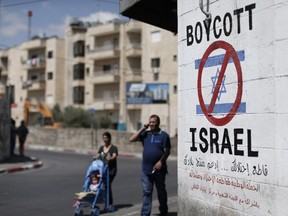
[[101, 77], [3, 71], [2, 90], [133, 27], [34, 63], [34, 85], [78, 37], [134, 106], [104, 52], [133, 50], [34, 44], [106, 104], [78, 83], [134, 75], [103, 30]]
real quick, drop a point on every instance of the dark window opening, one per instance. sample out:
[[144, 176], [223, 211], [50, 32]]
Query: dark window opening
[[155, 62], [78, 71], [50, 54], [175, 89], [50, 75], [106, 68], [79, 49], [78, 94]]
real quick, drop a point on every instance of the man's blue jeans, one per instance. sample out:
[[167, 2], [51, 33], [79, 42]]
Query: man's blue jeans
[[147, 183]]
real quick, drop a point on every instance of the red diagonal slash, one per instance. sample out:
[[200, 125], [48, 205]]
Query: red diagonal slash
[[230, 52]]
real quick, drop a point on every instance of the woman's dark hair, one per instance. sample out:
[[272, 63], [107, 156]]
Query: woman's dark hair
[[107, 134]]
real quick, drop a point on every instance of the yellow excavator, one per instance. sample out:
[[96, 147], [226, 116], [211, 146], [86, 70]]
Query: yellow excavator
[[48, 121]]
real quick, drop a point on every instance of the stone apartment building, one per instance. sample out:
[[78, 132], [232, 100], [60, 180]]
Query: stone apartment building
[[124, 70]]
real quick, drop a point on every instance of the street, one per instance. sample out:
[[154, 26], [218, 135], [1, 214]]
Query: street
[[50, 190]]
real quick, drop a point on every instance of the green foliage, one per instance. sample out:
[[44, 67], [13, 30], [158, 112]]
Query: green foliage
[[73, 117], [104, 122], [57, 113]]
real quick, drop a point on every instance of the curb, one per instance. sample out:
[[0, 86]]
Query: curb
[[74, 150], [22, 168], [86, 151]]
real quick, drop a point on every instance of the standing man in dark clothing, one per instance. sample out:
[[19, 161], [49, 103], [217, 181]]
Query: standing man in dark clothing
[[156, 149], [22, 132]]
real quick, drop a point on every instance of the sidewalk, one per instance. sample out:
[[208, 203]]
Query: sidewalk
[[135, 210], [20, 163]]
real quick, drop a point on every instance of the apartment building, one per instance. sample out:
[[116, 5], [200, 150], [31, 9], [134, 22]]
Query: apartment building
[[119, 69], [33, 70], [122, 70]]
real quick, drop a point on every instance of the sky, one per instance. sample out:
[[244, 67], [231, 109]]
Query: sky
[[49, 17]]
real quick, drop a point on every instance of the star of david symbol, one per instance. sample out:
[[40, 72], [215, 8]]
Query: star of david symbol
[[222, 87]]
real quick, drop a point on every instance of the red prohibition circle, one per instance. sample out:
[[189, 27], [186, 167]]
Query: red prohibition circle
[[230, 52]]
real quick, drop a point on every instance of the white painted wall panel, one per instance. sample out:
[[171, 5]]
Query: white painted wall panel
[[233, 166]]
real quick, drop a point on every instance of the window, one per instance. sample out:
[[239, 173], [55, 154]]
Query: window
[[175, 89], [34, 77], [106, 68], [50, 54], [78, 71], [78, 94], [156, 76], [174, 58], [50, 75], [79, 49], [155, 36], [155, 62]]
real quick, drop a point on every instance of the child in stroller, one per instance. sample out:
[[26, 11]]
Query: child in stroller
[[94, 190], [94, 179]]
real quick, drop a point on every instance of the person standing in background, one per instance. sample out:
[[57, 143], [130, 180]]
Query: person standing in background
[[156, 149], [22, 132]]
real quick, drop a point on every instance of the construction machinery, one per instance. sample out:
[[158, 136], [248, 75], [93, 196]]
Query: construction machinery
[[47, 120]]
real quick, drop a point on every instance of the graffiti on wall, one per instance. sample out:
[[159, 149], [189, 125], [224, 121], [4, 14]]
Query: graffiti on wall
[[223, 161]]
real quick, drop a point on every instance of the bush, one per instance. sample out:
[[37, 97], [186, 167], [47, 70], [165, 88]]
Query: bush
[[78, 118]]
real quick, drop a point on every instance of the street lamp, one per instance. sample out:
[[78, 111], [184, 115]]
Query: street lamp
[[92, 113]]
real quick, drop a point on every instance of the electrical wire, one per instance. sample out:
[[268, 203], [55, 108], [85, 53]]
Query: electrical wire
[[21, 3]]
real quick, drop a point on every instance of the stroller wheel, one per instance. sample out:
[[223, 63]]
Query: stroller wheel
[[95, 211], [110, 208], [78, 212]]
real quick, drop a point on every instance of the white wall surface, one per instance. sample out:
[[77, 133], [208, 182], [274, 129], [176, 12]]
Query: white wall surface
[[248, 173]]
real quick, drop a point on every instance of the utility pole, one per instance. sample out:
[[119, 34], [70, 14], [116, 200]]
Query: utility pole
[[29, 14]]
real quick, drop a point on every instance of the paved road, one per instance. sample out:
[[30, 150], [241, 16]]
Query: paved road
[[49, 190]]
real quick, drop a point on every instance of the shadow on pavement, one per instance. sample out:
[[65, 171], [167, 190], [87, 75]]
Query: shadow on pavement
[[169, 214], [18, 159], [117, 207]]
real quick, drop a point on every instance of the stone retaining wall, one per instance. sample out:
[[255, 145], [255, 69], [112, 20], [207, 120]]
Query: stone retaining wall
[[81, 138]]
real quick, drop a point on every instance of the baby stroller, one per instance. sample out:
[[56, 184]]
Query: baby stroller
[[100, 194]]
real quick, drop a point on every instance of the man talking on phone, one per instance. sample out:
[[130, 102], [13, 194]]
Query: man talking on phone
[[156, 149]]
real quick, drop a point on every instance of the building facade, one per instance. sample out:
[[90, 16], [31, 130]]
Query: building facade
[[122, 70], [33, 71]]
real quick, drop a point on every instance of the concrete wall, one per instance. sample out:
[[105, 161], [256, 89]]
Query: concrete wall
[[232, 146], [4, 129], [80, 138]]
